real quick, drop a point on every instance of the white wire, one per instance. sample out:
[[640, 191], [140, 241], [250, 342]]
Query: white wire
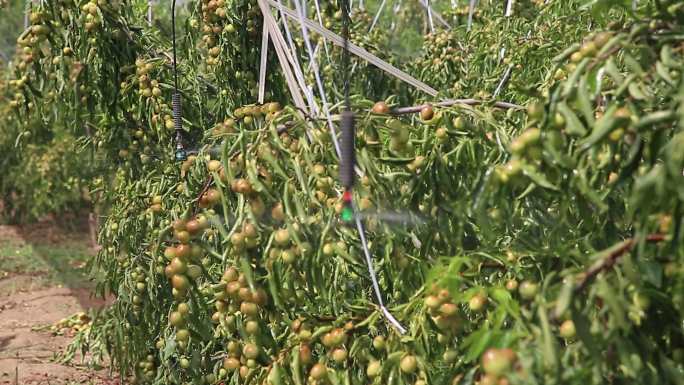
[[358, 51], [599, 80], [509, 8], [325, 42], [26, 13], [262, 63], [359, 225], [429, 12], [508, 13], [320, 21], [471, 10], [282, 58], [149, 12], [374, 279], [316, 48], [377, 15], [395, 9], [289, 77], [503, 80], [319, 83], [434, 13], [294, 59], [280, 48]]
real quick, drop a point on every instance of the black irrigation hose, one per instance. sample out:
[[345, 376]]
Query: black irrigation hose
[[180, 153], [347, 157], [173, 39]]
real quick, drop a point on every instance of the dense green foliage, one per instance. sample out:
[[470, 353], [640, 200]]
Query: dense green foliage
[[44, 169], [539, 246], [11, 22]]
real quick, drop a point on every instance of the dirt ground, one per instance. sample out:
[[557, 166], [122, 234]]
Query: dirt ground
[[42, 282]]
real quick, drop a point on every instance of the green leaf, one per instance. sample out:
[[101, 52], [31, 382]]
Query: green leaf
[[584, 100], [565, 297], [603, 127], [476, 343], [606, 292], [566, 53], [633, 65], [276, 375], [573, 125], [651, 272], [582, 327], [674, 373], [295, 368], [655, 118], [571, 84], [504, 299], [601, 8], [498, 317], [637, 92], [247, 270], [169, 348], [537, 177], [612, 70], [549, 345]]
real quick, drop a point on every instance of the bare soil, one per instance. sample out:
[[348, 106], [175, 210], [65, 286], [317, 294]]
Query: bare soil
[[30, 303]]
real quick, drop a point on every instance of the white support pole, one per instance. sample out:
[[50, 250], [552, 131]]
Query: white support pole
[[282, 58], [377, 16], [358, 51], [292, 55], [433, 13], [509, 8], [395, 10], [503, 81], [319, 83], [320, 21], [429, 13], [371, 270], [27, 11], [471, 11], [262, 63]]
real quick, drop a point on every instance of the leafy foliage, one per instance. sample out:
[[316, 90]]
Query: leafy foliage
[[12, 21]]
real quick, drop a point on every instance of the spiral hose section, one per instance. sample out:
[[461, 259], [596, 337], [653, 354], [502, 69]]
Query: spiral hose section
[[347, 148], [176, 105]]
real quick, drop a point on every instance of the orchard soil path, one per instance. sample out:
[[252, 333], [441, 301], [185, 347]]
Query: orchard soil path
[[30, 303]]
